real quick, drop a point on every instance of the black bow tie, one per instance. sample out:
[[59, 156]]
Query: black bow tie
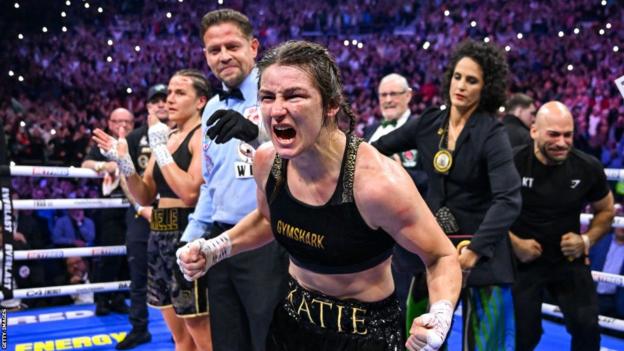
[[386, 122], [229, 94]]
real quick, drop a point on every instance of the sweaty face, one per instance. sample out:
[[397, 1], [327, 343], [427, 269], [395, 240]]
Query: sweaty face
[[292, 110], [229, 53], [182, 100], [553, 138], [466, 84], [394, 99]]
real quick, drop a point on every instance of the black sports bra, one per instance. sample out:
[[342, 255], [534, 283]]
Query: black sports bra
[[329, 239], [182, 157]]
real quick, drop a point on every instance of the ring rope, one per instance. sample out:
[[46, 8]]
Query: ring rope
[[37, 204], [27, 255], [62, 290], [548, 309], [58, 172], [614, 174], [618, 222], [75, 172], [604, 321], [608, 278]]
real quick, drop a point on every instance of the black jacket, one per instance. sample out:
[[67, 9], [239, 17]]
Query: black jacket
[[516, 130], [410, 160], [482, 187]]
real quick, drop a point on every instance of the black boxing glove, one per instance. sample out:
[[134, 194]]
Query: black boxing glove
[[224, 125]]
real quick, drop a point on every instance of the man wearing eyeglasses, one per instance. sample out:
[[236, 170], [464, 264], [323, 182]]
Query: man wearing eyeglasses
[[110, 223], [394, 97]]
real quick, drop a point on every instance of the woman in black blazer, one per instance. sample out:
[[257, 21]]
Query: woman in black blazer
[[474, 188]]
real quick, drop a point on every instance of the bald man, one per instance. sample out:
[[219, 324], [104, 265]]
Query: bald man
[[558, 181], [110, 224]]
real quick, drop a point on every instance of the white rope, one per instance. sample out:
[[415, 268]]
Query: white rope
[[68, 203], [61, 172], [618, 222], [608, 278], [25, 255], [614, 173], [73, 172], [605, 322], [62, 290]]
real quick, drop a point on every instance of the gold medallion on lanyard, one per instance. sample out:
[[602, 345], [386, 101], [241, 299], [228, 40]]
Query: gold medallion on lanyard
[[443, 159]]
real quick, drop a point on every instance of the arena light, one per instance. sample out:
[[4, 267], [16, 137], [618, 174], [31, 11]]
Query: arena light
[[507, 48], [20, 78], [354, 42], [68, 3], [22, 124], [570, 67], [426, 45], [519, 36], [168, 15], [560, 34], [442, 107], [447, 13], [346, 43], [53, 131], [601, 31], [608, 25], [63, 14], [109, 59], [603, 3], [220, 2], [486, 39], [109, 42], [20, 36], [64, 29], [360, 45], [44, 29], [11, 73], [129, 90], [501, 109], [137, 48], [181, 0], [473, 24], [100, 10], [616, 48], [16, 5], [86, 5], [576, 30]]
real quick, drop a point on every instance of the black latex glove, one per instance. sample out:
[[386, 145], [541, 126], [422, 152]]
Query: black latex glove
[[230, 124]]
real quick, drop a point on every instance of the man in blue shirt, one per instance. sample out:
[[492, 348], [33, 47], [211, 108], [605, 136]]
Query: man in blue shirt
[[73, 230], [243, 290], [608, 256]]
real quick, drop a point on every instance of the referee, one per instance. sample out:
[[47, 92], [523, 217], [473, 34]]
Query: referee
[[558, 181]]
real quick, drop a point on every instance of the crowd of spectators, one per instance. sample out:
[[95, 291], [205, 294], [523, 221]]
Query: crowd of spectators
[[570, 51], [69, 84]]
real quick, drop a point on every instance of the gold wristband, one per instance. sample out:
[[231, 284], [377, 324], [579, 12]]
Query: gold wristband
[[462, 244]]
